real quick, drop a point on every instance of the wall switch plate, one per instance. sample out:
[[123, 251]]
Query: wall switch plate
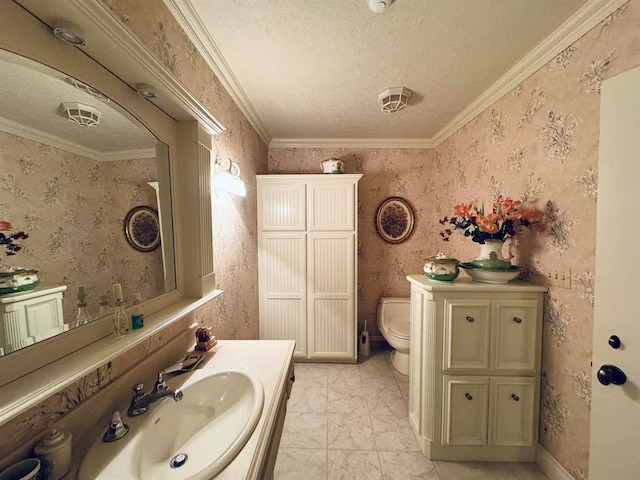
[[559, 277]]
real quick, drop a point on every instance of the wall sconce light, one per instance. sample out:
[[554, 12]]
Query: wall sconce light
[[226, 176]]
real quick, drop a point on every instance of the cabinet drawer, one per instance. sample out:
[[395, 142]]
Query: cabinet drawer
[[466, 335], [515, 335], [512, 411], [465, 409]]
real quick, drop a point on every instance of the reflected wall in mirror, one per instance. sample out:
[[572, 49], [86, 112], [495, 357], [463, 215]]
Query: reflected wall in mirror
[[69, 188]]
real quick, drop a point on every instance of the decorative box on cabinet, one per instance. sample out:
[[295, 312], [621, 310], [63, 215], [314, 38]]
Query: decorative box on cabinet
[[307, 245], [30, 316], [474, 366]]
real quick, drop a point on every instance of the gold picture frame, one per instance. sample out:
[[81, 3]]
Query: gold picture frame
[[395, 220]]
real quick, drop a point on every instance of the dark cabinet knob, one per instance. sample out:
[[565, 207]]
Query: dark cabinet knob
[[515, 397], [469, 319], [517, 319], [468, 396], [614, 341], [609, 374]]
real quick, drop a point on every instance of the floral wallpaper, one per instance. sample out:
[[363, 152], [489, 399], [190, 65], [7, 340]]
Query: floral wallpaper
[[73, 210], [539, 144], [234, 315]]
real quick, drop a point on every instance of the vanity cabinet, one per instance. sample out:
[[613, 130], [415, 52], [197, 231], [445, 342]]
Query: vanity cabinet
[[307, 250], [31, 316], [474, 365]]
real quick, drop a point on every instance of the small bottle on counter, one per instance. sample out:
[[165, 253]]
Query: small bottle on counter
[[82, 316], [103, 306], [120, 317], [135, 313], [54, 452]]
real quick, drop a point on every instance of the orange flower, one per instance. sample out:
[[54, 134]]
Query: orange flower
[[485, 224], [530, 215], [5, 226], [462, 209]]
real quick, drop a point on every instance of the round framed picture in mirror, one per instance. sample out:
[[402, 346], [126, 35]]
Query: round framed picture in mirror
[[394, 220], [142, 228]]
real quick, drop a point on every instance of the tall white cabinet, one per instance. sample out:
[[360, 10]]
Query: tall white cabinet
[[307, 250], [474, 368]]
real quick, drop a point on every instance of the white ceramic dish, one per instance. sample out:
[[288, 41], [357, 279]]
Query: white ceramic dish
[[487, 275]]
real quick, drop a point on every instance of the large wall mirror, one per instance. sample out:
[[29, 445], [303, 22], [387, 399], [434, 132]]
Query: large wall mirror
[[74, 163]]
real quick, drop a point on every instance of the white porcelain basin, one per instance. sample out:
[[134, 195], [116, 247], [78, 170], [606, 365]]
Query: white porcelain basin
[[210, 425]]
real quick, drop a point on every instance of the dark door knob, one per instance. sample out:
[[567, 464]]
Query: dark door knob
[[614, 341], [611, 374]]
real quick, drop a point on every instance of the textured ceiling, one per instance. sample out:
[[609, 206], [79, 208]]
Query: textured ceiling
[[313, 69], [31, 95]]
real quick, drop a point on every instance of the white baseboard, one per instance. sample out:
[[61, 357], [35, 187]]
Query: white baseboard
[[550, 466]]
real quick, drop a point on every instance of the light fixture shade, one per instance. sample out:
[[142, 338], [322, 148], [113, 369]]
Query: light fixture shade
[[83, 115], [69, 33], [226, 177], [394, 99]]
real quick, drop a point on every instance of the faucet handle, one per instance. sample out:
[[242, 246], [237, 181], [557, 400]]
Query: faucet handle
[[160, 385], [137, 390]]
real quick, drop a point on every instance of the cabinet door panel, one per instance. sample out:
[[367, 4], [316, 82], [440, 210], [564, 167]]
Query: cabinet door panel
[[512, 411], [330, 289], [281, 206], [331, 206], [465, 410], [466, 330], [515, 335], [282, 283]]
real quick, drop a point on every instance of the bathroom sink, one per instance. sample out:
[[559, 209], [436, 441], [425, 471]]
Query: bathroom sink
[[191, 439]]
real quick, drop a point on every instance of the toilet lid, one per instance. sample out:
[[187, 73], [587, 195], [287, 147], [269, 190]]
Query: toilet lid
[[400, 328]]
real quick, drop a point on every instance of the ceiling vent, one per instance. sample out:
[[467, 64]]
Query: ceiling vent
[[83, 115], [394, 99]]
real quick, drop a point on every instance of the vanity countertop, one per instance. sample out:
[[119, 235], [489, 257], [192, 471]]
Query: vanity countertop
[[269, 361]]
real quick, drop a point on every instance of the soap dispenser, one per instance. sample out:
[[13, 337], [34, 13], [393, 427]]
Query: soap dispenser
[[54, 452]]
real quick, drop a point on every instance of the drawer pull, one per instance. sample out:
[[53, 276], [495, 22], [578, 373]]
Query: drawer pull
[[517, 319], [515, 397], [470, 319], [468, 396]]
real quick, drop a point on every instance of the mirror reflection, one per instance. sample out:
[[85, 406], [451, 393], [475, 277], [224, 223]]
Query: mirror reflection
[[73, 165]]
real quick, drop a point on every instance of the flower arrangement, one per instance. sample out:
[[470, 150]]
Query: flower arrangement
[[505, 217], [10, 240]]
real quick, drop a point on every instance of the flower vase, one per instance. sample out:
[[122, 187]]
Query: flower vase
[[491, 256]]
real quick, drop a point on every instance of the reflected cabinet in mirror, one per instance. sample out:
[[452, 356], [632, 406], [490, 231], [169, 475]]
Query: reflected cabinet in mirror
[[73, 165]]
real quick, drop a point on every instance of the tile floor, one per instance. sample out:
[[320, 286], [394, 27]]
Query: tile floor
[[350, 422]]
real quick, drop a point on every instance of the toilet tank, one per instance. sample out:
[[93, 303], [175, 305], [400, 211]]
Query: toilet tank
[[396, 308]]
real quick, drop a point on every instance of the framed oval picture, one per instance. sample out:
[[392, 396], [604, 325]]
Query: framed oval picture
[[142, 228], [394, 220]]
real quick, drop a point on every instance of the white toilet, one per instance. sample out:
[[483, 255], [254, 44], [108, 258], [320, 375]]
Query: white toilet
[[394, 323]]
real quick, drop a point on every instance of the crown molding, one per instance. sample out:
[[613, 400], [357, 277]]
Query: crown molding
[[351, 143], [587, 17], [592, 13], [190, 21], [36, 135], [107, 23]]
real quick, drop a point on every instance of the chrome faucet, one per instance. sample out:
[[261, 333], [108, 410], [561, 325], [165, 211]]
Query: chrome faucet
[[140, 401]]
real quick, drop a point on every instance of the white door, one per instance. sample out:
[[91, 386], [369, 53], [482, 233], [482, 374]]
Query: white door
[[615, 409]]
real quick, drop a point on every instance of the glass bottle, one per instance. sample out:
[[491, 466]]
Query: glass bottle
[[120, 317], [82, 315], [135, 313]]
